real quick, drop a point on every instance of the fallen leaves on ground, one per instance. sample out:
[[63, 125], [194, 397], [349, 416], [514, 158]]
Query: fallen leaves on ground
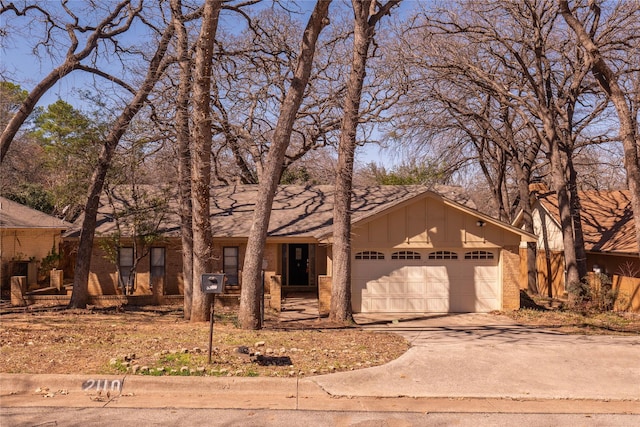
[[158, 341]]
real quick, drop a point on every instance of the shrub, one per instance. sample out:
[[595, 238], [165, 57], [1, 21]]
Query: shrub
[[593, 293]]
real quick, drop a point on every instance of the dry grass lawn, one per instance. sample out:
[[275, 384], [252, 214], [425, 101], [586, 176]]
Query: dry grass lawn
[[158, 341]]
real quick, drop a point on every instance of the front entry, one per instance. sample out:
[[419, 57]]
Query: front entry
[[298, 266]]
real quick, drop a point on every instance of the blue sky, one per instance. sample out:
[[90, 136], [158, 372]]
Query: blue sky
[[19, 65]]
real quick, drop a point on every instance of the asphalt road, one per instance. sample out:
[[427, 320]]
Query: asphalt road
[[89, 417]]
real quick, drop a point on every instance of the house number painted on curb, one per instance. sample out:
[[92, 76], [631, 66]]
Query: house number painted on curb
[[102, 385]]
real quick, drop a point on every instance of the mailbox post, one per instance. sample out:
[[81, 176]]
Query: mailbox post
[[212, 284]]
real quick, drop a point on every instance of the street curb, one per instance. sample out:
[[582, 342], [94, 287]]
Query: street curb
[[47, 390]]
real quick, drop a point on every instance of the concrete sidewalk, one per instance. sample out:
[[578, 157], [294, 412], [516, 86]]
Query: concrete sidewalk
[[263, 393]]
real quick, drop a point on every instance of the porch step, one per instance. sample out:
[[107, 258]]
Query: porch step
[[232, 289]]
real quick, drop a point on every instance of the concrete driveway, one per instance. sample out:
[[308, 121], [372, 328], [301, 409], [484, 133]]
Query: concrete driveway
[[489, 356]]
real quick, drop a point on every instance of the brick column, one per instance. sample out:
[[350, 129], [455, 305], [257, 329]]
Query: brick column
[[56, 279], [511, 278], [324, 295], [157, 288], [275, 293], [18, 287]]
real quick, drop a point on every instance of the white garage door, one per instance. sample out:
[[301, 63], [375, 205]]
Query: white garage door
[[459, 281]]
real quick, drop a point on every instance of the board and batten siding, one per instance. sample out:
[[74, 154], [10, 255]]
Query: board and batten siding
[[429, 223]]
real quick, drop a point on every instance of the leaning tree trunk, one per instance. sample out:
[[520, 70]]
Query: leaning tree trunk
[[80, 294], [249, 314], [70, 64], [609, 84], [201, 171]]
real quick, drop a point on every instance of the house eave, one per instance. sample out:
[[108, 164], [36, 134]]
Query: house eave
[[614, 253]]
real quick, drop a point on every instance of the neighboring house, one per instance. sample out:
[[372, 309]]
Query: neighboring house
[[413, 250], [609, 236], [29, 242]]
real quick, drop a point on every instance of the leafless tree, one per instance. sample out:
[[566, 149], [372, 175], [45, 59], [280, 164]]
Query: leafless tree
[[367, 14], [116, 21], [156, 67], [252, 74], [249, 314], [201, 157], [182, 130], [517, 56], [609, 81]]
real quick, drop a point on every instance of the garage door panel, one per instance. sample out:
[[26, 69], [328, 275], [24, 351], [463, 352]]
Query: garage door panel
[[482, 272], [423, 286], [397, 288], [484, 305], [436, 273], [416, 288], [415, 305], [437, 290], [437, 305], [486, 290], [399, 304], [415, 272]]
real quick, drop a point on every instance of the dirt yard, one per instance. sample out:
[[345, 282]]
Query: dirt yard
[[157, 341]]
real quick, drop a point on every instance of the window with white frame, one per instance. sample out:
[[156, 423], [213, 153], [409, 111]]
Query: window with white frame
[[405, 255], [157, 256], [443, 255], [478, 255], [230, 264], [126, 260], [369, 255]]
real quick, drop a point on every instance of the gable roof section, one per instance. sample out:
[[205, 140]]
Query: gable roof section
[[17, 216], [298, 211], [458, 201], [607, 219]]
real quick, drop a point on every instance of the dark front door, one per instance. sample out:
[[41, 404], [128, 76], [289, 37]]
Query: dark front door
[[298, 265]]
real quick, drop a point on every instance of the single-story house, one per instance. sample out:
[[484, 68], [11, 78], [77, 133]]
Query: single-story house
[[415, 250], [609, 237], [29, 242]]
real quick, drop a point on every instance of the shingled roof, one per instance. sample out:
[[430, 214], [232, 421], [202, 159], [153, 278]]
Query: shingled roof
[[607, 220], [16, 216], [298, 211]]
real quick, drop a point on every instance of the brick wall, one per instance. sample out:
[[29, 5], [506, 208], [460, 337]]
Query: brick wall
[[103, 279], [103, 276], [511, 277]]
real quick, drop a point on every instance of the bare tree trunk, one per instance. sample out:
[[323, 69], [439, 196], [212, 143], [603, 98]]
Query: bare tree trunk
[[558, 178], [184, 154], [72, 62], [609, 82], [201, 172], [79, 295], [249, 314], [524, 177], [365, 19], [576, 218]]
